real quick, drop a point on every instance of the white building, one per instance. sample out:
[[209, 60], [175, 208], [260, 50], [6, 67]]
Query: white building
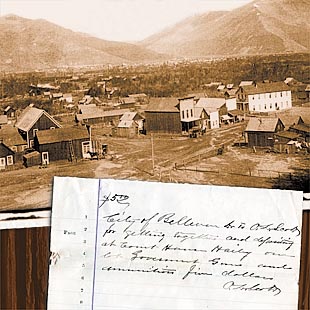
[[264, 97]]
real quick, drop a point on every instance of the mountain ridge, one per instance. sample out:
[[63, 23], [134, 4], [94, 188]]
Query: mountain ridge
[[259, 27], [40, 44]]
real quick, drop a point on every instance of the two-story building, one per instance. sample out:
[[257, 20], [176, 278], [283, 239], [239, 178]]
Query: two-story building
[[32, 120], [264, 97]]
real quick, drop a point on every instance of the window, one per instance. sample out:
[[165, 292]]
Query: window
[[31, 143], [192, 113], [253, 97], [281, 94], [269, 95], [275, 95], [24, 147], [52, 127], [270, 105], [183, 115], [265, 106], [14, 148], [276, 104], [34, 132], [253, 107], [187, 115], [9, 160], [2, 162]]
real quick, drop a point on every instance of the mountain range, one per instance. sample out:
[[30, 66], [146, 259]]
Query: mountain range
[[38, 44], [259, 27]]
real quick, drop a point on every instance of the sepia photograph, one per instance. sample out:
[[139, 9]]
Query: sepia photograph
[[200, 92]]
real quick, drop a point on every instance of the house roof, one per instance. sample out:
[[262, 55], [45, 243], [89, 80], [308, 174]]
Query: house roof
[[32, 154], [4, 150], [125, 124], [61, 134], [211, 104], [7, 108], [307, 88], [163, 105], [128, 100], [130, 116], [101, 114], [235, 112], [138, 95], [305, 119], [245, 83], [11, 137], [264, 124], [3, 119], [261, 88], [288, 134], [89, 109], [302, 127], [29, 117]]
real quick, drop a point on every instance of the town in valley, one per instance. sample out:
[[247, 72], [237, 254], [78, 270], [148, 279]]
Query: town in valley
[[238, 120]]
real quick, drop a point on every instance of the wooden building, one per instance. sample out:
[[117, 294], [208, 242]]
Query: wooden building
[[33, 120], [302, 128], [6, 156], [130, 125], [62, 144], [12, 139], [106, 118], [163, 116], [10, 112], [264, 97], [260, 131]]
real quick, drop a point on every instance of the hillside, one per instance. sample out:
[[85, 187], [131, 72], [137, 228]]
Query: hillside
[[37, 44], [260, 27]]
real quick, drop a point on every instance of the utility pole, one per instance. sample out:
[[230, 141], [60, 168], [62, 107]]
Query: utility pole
[[153, 162]]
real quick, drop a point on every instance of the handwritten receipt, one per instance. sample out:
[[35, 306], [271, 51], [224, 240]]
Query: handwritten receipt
[[139, 245]]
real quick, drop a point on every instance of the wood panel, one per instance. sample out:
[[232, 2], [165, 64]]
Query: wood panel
[[24, 260]]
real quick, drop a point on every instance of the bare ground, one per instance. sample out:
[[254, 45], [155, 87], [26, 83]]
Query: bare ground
[[132, 159]]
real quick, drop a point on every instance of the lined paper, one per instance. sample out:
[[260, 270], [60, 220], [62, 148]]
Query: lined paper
[[120, 244]]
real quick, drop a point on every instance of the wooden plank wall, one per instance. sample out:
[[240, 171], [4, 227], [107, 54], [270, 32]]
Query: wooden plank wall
[[24, 260]]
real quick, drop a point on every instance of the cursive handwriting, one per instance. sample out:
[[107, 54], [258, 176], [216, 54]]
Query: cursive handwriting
[[231, 285]]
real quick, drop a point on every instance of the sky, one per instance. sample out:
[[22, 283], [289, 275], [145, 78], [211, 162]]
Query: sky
[[116, 20]]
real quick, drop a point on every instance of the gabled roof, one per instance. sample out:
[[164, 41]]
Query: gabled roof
[[261, 88], [4, 150], [125, 124], [211, 104], [301, 127], [61, 134], [131, 116], [163, 105], [11, 137], [304, 119], [307, 88], [264, 124], [288, 134], [30, 116]]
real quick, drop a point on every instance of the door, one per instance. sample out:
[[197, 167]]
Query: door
[[2, 163], [45, 159], [86, 149]]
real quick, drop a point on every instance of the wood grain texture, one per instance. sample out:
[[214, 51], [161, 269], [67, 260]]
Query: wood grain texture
[[24, 260]]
